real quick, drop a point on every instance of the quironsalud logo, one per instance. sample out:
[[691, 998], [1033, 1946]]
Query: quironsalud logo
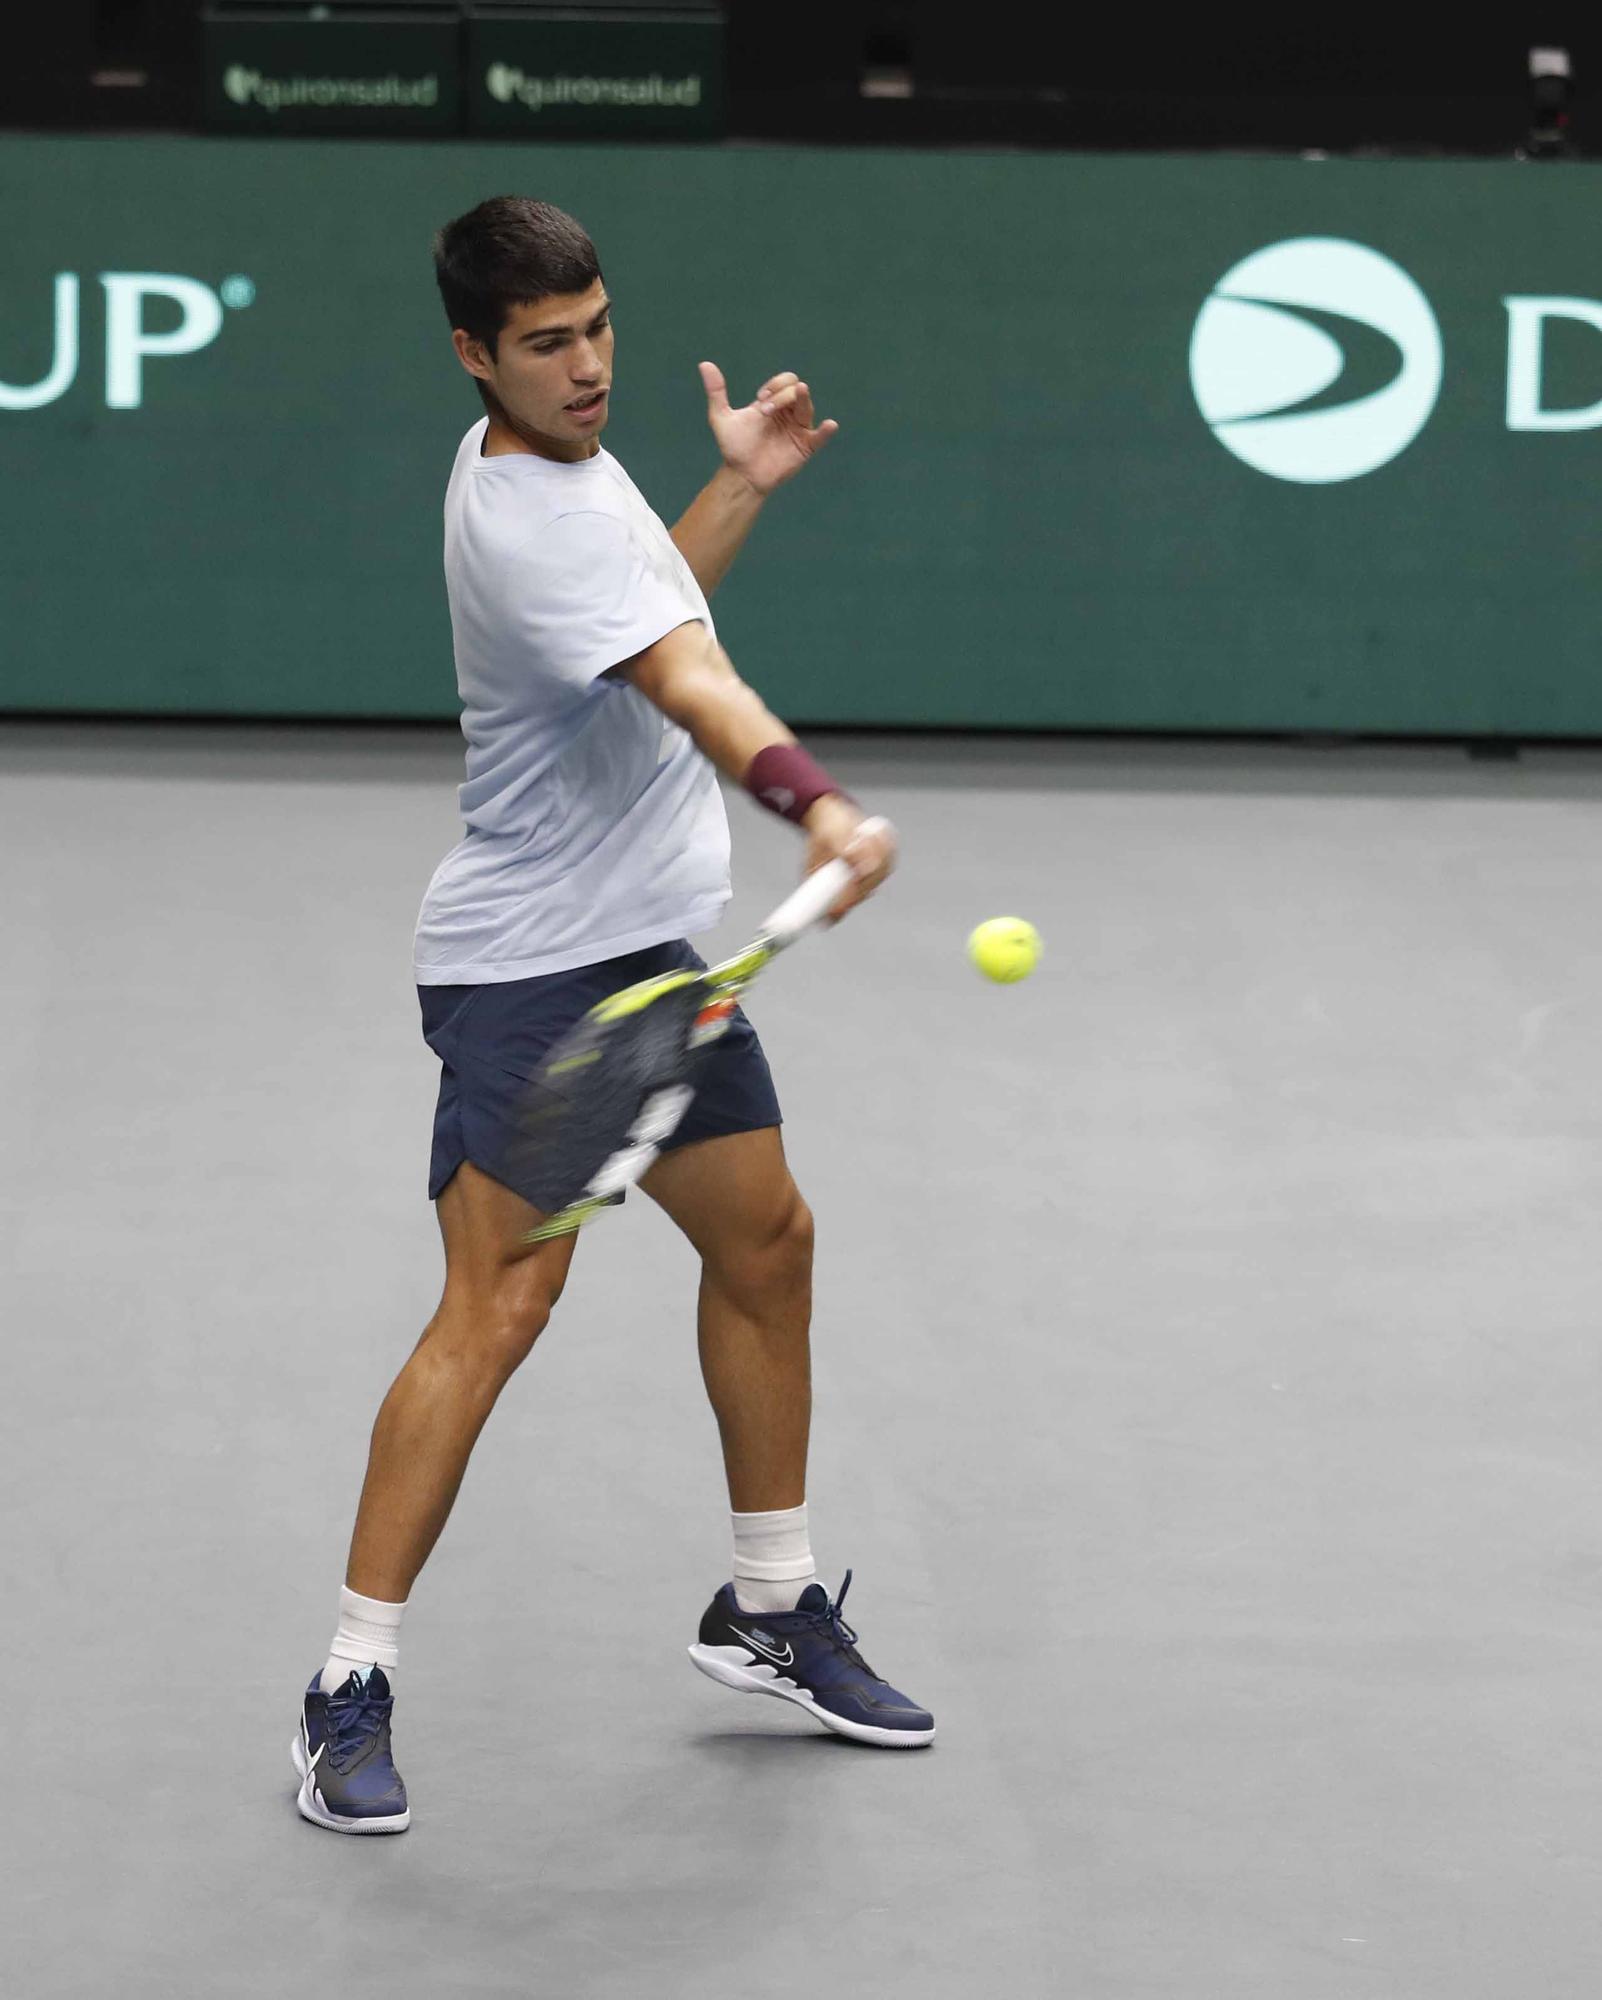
[[250, 87], [508, 85], [1316, 360]]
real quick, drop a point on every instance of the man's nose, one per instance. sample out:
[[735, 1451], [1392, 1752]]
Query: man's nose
[[586, 361]]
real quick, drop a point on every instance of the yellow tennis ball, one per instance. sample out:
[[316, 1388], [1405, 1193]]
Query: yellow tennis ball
[[1005, 948]]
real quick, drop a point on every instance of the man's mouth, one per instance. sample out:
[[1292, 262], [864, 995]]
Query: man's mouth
[[588, 402]]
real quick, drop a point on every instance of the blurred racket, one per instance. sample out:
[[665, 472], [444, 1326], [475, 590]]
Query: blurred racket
[[612, 1092]]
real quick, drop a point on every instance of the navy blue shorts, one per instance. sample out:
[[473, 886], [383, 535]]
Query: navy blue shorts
[[491, 1038]]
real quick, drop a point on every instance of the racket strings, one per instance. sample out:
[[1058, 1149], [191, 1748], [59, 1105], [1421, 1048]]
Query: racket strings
[[583, 1108]]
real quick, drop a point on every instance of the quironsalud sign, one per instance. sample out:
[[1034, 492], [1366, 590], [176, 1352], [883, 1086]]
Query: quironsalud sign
[[357, 74], [568, 76]]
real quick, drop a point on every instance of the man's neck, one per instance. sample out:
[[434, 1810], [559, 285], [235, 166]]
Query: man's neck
[[502, 440]]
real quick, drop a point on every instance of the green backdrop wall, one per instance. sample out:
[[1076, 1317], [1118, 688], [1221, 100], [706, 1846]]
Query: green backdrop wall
[[1026, 519]]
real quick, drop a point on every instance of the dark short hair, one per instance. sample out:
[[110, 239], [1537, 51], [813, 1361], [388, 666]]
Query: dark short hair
[[509, 251]]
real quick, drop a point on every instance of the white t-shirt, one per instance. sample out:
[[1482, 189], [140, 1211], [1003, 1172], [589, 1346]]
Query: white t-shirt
[[593, 825]]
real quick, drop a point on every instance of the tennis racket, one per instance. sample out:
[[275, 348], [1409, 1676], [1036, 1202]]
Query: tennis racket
[[612, 1092]]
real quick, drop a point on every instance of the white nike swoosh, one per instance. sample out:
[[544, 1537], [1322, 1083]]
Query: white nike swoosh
[[784, 1659]]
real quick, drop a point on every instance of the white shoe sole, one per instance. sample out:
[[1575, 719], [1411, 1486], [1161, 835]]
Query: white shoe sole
[[735, 1668], [311, 1805]]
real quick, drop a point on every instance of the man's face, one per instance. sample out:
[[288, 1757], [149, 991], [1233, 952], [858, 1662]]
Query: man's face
[[550, 357]]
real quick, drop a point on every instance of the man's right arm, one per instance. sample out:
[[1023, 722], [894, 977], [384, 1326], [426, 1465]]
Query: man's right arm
[[689, 677]]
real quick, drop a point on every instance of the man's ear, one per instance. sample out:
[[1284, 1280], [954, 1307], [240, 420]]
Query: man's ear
[[471, 353]]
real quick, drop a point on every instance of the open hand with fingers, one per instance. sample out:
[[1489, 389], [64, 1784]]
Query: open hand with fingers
[[768, 441]]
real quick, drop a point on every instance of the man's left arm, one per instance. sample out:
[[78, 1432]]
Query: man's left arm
[[763, 445]]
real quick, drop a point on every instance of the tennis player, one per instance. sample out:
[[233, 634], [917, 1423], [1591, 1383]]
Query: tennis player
[[598, 708]]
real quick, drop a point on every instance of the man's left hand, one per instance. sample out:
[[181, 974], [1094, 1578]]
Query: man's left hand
[[769, 440]]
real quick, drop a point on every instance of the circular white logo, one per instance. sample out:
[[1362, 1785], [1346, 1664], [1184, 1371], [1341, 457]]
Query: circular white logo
[[1316, 360]]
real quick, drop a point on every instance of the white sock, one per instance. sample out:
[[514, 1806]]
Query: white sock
[[772, 1559], [367, 1635]]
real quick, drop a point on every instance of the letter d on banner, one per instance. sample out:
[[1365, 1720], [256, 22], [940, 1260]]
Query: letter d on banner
[[1526, 330], [127, 339]]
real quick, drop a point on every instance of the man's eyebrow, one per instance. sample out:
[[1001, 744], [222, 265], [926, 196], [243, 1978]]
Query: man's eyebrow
[[544, 332]]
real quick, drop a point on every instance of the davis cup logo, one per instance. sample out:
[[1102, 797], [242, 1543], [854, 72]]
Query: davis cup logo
[[1316, 360]]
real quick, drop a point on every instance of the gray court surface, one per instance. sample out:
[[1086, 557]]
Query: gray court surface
[[1208, 1375]]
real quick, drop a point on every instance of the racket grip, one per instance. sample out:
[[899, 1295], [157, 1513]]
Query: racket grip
[[814, 899]]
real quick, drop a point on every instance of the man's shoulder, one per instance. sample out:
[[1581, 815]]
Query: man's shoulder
[[516, 516], [528, 525]]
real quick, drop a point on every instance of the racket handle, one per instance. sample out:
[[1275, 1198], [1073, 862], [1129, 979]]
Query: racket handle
[[816, 896]]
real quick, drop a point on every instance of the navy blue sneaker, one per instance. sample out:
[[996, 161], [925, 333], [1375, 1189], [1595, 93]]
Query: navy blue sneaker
[[348, 1781], [809, 1656]]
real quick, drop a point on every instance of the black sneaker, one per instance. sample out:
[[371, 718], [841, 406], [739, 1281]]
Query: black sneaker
[[809, 1656], [348, 1781]]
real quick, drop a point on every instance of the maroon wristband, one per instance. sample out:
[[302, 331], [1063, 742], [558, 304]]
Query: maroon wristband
[[787, 781]]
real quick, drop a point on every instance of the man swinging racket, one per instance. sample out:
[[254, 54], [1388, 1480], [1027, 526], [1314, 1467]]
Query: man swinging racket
[[598, 708]]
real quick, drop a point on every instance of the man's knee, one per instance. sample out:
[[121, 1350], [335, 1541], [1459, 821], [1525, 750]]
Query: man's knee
[[511, 1327], [798, 1235], [490, 1328], [774, 1261]]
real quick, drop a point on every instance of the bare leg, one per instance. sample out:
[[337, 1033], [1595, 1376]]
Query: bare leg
[[735, 1200], [497, 1298]]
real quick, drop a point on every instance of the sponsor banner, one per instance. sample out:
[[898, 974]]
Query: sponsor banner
[[558, 76], [371, 73], [1126, 443]]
